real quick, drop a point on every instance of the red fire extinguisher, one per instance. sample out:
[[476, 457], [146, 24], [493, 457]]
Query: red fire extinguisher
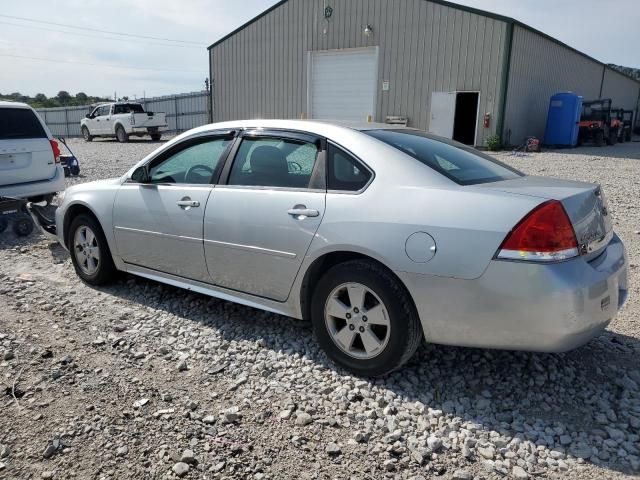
[[486, 121]]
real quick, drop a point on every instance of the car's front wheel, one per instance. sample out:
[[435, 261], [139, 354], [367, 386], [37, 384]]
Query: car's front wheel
[[90, 252], [364, 318]]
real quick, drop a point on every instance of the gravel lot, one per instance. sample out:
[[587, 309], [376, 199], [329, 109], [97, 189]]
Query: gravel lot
[[141, 380]]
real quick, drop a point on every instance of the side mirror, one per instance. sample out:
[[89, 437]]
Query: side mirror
[[88, 115], [141, 175]]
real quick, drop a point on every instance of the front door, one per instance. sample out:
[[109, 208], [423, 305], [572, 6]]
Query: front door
[[99, 124], [158, 224], [258, 227]]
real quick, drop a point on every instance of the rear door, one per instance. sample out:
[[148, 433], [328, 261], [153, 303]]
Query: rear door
[[25, 150], [258, 227]]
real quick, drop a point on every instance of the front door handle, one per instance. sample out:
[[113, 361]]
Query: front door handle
[[301, 211], [185, 203]]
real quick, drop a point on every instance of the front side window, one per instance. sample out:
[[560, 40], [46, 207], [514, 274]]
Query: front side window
[[274, 162], [464, 165], [103, 110], [195, 164], [19, 123], [345, 173]]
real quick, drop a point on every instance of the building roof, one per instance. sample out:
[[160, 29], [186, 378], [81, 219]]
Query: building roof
[[445, 3]]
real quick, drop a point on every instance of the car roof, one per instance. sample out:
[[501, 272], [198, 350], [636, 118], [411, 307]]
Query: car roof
[[10, 104], [319, 127]]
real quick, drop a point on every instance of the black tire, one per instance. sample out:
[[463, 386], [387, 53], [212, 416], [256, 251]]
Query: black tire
[[613, 138], [627, 137], [405, 333], [121, 135], [4, 223], [86, 134], [106, 271], [23, 226], [156, 137], [74, 170], [599, 138]]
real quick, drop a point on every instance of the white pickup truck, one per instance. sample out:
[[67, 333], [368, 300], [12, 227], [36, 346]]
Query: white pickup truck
[[122, 120]]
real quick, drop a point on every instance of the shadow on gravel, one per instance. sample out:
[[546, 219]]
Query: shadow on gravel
[[584, 403], [628, 151]]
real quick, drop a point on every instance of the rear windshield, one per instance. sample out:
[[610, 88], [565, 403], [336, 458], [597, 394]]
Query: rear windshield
[[463, 165], [19, 123]]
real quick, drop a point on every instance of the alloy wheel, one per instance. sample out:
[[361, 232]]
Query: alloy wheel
[[357, 321], [86, 250]]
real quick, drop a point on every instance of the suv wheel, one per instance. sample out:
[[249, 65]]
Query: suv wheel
[[121, 135], [86, 135], [90, 252], [364, 318]]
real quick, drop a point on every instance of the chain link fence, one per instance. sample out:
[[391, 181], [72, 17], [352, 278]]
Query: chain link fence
[[184, 111]]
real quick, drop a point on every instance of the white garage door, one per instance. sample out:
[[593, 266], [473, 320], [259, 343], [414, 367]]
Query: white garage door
[[343, 84]]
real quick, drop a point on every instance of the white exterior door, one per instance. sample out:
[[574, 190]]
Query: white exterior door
[[443, 113], [343, 84]]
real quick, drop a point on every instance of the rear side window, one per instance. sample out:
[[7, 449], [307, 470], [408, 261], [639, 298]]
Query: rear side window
[[463, 165], [345, 172], [18, 123]]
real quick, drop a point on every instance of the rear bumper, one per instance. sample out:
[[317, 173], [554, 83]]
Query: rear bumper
[[523, 306], [154, 129], [36, 189]]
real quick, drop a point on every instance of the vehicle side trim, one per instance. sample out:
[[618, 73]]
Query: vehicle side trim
[[249, 248], [160, 234]]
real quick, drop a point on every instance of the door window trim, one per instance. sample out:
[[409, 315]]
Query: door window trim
[[188, 143], [317, 182]]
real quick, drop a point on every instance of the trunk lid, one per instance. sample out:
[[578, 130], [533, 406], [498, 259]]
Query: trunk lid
[[584, 203]]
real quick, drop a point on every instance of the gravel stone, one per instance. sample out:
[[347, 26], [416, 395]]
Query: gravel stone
[[333, 449], [180, 469], [303, 418]]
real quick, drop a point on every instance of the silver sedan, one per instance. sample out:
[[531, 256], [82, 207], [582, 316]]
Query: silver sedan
[[380, 236]]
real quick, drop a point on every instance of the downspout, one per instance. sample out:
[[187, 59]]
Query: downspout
[[210, 52], [604, 71], [504, 85]]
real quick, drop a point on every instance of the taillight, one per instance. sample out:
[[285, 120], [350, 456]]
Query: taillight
[[544, 235], [56, 150]]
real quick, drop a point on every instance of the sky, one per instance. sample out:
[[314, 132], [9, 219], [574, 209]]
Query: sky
[[48, 57]]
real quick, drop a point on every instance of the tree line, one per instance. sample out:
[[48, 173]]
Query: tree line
[[62, 99]]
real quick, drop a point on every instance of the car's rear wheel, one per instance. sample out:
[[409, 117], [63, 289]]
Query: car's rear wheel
[[121, 135], [86, 135], [365, 319], [23, 226], [90, 252], [156, 136]]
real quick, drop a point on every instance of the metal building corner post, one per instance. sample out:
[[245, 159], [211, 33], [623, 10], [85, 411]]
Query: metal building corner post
[[604, 73], [504, 85]]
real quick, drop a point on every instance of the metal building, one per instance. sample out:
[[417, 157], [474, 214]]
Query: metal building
[[456, 71]]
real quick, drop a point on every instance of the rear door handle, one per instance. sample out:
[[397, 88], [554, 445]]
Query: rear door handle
[[303, 212], [188, 203]]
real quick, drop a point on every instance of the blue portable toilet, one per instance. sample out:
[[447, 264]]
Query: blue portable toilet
[[563, 120]]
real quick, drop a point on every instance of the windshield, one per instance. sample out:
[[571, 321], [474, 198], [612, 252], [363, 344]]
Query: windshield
[[19, 123], [463, 165]]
